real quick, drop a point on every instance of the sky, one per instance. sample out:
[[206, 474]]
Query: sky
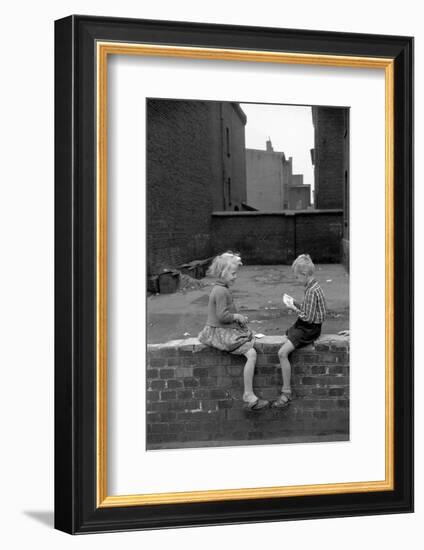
[[290, 129]]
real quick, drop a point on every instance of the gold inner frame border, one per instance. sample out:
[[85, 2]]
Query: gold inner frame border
[[103, 50]]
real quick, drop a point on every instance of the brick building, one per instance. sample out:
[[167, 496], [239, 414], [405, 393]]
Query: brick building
[[271, 184], [195, 165], [330, 157]]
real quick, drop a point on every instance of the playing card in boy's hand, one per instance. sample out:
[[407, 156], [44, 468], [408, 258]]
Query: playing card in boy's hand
[[288, 300]]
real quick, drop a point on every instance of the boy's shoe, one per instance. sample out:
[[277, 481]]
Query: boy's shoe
[[283, 401]]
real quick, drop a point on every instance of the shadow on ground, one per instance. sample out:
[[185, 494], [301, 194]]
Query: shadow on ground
[[44, 517]]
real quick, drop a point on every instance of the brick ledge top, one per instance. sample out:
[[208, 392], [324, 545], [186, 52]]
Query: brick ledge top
[[325, 342]]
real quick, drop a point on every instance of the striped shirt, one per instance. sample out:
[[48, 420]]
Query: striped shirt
[[313, 307]]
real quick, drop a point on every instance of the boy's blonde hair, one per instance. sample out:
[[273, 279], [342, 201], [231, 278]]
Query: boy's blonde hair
[[303, 264], [223, 263]]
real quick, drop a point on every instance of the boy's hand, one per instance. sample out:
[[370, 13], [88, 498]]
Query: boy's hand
[[288, 300]]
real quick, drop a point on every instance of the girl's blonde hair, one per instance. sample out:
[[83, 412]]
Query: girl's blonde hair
[[222, 263], [303, 264]]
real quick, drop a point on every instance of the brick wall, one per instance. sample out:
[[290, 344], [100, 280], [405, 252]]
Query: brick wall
[[277, 238], [180, 176], [187, 178], [194, 394]]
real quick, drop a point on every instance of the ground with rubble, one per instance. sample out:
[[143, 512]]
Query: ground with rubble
[[258, 294]]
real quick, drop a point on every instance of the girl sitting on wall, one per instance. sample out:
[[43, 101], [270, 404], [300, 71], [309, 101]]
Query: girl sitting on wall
[[226, 329]]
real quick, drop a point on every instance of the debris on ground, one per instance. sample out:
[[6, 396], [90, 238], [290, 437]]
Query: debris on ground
[[188, 283], [333, 314]]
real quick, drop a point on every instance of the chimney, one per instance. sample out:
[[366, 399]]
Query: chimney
[[269, 147]]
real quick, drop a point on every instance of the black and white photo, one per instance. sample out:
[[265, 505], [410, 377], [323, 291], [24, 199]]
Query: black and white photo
[[247, 273]]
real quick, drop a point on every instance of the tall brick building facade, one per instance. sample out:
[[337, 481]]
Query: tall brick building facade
[[195, 165], [330, 156]]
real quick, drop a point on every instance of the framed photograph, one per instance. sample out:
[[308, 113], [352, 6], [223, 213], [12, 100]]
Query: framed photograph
[[234, 274]]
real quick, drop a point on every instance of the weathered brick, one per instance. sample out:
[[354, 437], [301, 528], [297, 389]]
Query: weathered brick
[[152, 395], [319, 370], [218, 394], [167, 373], [191, 382], [207, 382], [208, 361], [339, 369], [195, 436], [161, 438], [160, 406], [157, 362], [167, 416], [320, 391], [183, 405], [185, 394], [320, 414], [224, 381], [200, 426], [333, 357], [333, 392], [265, 370], [202, 393], [152, 373], [311, 358], [199, 372], [174, 384], [183, 372], [153, 417], [194, 416], [324, 380], [168, 395], [188, 362], [159, 428], [157, 384]]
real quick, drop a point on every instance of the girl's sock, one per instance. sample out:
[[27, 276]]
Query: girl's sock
[[249, 397]]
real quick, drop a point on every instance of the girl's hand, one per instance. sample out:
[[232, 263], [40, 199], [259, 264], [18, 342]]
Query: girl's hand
[[241, 319]]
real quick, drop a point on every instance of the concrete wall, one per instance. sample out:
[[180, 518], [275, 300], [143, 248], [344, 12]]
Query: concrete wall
[[194, 394], [300, 197], [277, 238], [265, 179]]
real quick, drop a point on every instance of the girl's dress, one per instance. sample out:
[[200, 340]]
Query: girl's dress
[[221, 331]]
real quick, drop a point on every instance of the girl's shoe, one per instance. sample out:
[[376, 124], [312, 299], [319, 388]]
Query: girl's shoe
[[257, 405]]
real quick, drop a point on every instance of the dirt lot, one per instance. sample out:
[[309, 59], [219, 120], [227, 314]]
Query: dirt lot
[[258, 294]]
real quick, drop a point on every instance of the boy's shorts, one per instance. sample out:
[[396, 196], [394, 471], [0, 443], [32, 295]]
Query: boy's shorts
[[302, 333]]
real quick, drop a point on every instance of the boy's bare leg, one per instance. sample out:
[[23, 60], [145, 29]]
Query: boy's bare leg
[[283, 354], [248, 372]]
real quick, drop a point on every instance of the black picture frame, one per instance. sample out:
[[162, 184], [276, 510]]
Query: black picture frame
[[76, 483]]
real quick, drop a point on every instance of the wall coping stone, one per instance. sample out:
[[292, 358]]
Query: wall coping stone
[[326, 342]]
